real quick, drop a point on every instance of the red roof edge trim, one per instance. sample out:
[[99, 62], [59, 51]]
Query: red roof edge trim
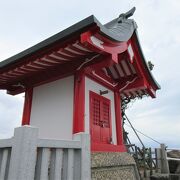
[[101, 44]]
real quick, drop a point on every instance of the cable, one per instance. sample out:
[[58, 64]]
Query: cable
[[94, 73], [134, 131], [127, 84], [87, 60], [144, 134]]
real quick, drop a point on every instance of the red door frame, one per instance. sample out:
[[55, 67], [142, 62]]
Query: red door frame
[[120, 147], [101, 132]]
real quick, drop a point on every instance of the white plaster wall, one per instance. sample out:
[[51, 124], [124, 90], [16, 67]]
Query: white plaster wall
[[52, 109], [91, 85]]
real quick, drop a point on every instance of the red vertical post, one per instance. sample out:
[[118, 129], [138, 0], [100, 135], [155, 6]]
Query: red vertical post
[[119, 127], [79, 102], [27, 107]]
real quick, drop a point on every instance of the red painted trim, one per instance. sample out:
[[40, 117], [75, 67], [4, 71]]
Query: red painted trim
[[124, 72], [102, 62], [97, 147], [96, 68], [149, 84], [136, 46], [60, 71], [32, 60], [137, 84], [99, 81], [115, 68], [79, 102], [27, 107], [119, 127], [45, 76], [107, 46], [42, 52], [132, 74]]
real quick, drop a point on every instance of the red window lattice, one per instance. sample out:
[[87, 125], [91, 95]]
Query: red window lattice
[[96, 111], [101, 111], [105, 114]]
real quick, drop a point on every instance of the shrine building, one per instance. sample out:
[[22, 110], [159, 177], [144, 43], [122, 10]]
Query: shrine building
[[75, 80]]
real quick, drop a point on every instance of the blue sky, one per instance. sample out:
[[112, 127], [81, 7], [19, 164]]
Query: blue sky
[[25, 23]]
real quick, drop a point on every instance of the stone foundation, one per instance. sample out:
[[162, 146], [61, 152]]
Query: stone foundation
[[113, 166]]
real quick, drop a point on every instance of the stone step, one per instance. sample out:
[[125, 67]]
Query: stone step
[[148, 173], [160, 177], [113, 166]]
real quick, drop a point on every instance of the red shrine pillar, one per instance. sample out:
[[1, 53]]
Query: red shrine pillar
[[79, 102], [27, 107], [119, 127]]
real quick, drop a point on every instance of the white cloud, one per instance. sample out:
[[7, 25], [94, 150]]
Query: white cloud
[[10, 113]]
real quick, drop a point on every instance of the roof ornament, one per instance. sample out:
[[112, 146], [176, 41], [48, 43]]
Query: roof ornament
[[150, 65], [19, 85], [126, 15]]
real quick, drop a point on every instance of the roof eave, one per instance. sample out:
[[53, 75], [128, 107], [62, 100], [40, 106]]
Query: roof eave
[[78, 27], [155, 83]]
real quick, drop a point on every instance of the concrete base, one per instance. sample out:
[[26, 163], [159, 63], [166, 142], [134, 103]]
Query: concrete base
[[113, 166], [160, 177]]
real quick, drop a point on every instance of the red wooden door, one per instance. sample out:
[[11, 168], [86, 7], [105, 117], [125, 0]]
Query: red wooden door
[[100, 119]]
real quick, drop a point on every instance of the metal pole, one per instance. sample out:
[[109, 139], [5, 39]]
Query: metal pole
[[156, 160], [144, 162], [150, 160], [135, 131]]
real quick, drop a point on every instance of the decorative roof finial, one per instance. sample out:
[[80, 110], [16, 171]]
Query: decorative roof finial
[[126, 15]]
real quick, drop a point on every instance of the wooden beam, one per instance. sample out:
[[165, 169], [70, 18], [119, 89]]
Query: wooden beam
[[132, 83], [44, 76], [101, 79], [102, 62]]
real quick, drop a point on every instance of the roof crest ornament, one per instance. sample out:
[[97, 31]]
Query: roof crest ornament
[[126, 15]]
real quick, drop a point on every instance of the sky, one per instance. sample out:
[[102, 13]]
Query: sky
[[25, 23]]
